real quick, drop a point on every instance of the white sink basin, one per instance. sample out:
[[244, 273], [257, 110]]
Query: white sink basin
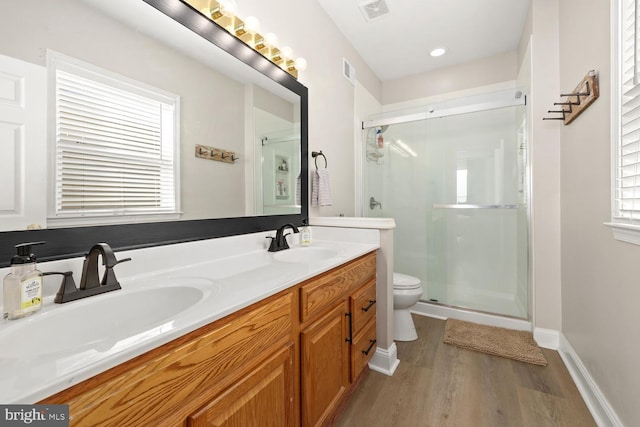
[[305, 254], [102, 323]]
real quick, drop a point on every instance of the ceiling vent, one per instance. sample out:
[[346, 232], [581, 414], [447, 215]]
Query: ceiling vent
[[374, 9]]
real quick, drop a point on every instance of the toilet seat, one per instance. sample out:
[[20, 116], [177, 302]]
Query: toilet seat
[[404, 281]]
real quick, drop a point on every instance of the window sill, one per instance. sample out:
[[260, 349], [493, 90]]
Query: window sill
[[110, 220], [625, 232]]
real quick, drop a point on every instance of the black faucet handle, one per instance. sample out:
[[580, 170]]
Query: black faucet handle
[[67, 287], [121, 260]]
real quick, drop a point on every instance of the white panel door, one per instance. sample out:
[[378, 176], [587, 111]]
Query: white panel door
[[23, 144]]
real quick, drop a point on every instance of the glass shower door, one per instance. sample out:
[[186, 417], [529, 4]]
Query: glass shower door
[[476, 212], [456, 187]]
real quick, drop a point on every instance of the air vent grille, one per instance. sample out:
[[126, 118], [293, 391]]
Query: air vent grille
[[373, 10]]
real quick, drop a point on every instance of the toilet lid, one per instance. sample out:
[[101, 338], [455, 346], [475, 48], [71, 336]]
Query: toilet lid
[[404, 281]]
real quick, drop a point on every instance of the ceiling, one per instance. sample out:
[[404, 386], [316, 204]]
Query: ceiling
[[398, 44]]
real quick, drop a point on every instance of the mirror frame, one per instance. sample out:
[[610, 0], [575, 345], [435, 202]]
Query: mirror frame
[[72, 242]]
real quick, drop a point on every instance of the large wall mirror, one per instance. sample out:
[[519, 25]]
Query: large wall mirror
[[212, 92]]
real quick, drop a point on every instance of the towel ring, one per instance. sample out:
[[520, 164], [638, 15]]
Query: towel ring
[[316, 154]]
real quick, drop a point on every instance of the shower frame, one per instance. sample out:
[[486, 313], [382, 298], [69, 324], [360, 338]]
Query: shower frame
[[433, 112]]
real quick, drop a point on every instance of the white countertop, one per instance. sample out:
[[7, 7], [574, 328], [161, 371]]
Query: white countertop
[[97, 333]]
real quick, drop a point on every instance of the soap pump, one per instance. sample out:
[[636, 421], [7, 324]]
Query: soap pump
[[22, 288], [305, 233]]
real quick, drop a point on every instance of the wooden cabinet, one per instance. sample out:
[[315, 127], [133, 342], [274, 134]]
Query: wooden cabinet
[[288, 360], [264, 397], [198, 376], [324, 365], [338, 333]]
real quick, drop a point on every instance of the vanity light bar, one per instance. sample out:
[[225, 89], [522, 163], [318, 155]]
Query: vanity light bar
[[249, 35]]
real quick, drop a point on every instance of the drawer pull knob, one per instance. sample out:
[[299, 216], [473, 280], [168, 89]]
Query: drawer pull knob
[[372, 343], [371, 304]]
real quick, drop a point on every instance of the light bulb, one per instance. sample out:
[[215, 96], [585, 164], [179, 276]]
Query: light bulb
[[301, 64], [252, 25], [270, 39], [438, 52], [228, 8], [287, 53]]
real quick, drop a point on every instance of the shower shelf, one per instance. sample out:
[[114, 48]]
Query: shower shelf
[[465, 206]]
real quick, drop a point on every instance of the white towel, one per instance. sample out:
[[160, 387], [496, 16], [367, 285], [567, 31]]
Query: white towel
[[321, 188]]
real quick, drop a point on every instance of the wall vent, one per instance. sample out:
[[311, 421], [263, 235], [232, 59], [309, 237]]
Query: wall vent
[[373, 10], [348, 71]]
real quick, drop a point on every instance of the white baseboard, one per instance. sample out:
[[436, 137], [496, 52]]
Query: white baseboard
[[444, 312], [547, 338], [598, 405], [385, 361]]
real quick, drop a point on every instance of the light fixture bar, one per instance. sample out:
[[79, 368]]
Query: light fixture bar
[[222, 12]]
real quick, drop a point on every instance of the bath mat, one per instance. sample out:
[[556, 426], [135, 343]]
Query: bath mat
[[517, 345]]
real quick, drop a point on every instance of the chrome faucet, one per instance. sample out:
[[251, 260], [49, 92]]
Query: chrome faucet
[[279, 242]]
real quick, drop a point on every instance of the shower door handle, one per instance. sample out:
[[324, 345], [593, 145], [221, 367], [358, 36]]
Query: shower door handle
[[465, 206]]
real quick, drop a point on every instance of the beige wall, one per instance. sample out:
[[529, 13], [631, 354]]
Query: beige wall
[[544, 143], [482, 72], [307, 29], [600, 285]]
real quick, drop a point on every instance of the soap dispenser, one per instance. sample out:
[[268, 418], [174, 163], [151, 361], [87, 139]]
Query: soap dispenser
[[305, 233], [22, 290]]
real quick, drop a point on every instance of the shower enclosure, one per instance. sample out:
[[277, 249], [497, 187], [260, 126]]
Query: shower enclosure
[[454, 178]]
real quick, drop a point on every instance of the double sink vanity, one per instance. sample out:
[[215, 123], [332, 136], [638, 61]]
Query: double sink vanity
[[213, 331]]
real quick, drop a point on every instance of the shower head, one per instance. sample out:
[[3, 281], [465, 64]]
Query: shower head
[[384, 128]]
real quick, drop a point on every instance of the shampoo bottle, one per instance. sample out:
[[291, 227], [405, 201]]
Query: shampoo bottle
[[305, 234], [22, 288]]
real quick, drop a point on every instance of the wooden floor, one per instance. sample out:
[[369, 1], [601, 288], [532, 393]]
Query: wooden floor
[[437, 384]]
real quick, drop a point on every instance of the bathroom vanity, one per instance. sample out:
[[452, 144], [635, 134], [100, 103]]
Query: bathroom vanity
[[297, 352], [218, 331]]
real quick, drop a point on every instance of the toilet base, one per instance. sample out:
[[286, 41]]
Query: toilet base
[[403, 327]]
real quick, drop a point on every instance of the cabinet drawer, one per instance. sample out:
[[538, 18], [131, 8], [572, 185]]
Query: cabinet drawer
[[364, 345], [363, 306], [322, 292], [171, 382]]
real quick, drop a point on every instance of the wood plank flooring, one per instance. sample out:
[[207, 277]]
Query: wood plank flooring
[[437, 384]]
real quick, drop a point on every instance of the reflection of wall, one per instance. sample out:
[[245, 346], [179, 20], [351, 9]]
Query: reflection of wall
[[209, 189]]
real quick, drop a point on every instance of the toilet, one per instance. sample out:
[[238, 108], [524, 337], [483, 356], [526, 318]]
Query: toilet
[[407, 291]]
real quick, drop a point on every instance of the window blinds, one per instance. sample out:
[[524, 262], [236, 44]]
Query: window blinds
[[114, 150], [627, 171]]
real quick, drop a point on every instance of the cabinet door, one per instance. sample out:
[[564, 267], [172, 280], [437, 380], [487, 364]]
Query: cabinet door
[[265, 397], [325, 366]]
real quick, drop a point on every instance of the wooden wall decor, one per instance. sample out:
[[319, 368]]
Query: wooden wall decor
[[218, 154], [585, 93]]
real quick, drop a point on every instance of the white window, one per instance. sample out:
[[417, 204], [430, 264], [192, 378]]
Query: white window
[[116, 147], [625, 124]]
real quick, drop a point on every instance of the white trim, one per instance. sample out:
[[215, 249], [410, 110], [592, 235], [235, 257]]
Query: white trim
[[353, 222], [444, 312], [598, 405], [625, 232], [385, 361], [547, 338]]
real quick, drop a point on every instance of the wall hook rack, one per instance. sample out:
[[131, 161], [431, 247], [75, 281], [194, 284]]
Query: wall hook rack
[[577, 101], [218, 154]]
